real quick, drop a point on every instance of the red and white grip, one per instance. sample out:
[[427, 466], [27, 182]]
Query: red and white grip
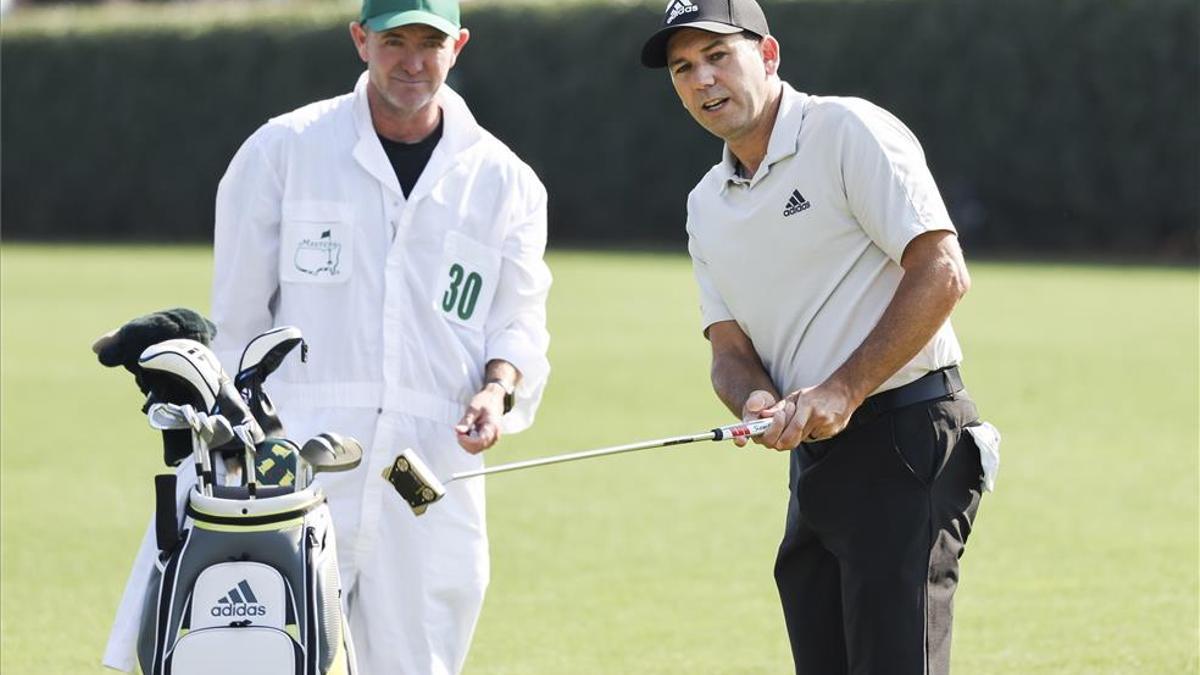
[[741, 429]]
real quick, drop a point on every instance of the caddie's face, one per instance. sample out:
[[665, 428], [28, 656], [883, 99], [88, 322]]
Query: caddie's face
[[724, 81], [407, 65]]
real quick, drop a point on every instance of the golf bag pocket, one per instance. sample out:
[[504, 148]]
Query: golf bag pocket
[[240, 592], [242, 650]]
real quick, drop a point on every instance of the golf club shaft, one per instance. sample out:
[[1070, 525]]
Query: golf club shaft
[[745, 429]]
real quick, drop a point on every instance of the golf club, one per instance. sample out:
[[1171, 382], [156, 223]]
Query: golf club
[[327, 453], [416, 484]]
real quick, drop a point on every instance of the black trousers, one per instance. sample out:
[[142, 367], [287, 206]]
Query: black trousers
[[877, 520]]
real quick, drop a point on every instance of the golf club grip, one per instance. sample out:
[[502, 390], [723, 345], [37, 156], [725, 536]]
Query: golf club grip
[[741, 429]]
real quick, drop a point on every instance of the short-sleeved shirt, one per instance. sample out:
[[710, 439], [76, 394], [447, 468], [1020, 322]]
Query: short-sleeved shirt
[[805, 255]]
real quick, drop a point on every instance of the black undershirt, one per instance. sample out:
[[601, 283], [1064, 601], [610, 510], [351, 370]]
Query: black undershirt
[[409, 159]]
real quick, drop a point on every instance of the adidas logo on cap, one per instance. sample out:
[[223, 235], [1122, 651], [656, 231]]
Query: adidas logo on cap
[[796, 204], [239, 601], [678, 8]]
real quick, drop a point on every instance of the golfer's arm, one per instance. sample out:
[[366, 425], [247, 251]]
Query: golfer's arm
[[935, 279], [736, 369]]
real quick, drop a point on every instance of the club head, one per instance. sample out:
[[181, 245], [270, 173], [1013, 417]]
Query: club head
[[217, 431], [330, 452], [411, 478]]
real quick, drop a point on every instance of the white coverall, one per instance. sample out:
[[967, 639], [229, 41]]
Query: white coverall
[[402, 302]]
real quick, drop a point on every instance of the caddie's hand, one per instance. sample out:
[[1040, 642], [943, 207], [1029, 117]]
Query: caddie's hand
[[821, 412], [759, 404], [479, 428]]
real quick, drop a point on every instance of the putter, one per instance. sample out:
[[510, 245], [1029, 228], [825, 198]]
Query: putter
[[416, 484]]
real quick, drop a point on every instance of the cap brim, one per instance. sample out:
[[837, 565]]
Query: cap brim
[[385, 22], [654, 52]]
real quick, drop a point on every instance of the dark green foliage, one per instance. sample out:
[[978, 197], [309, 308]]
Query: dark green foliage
[[1054, 127]]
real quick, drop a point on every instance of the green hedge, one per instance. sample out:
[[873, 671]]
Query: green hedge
[[1054, 127]]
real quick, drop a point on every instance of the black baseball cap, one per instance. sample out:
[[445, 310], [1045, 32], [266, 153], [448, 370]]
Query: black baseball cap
[[715, 16]]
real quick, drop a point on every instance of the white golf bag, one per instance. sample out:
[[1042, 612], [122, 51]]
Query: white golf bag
[[251, 586], [246, 581]]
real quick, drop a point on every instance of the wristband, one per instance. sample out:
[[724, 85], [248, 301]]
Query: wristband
[[509, 391]]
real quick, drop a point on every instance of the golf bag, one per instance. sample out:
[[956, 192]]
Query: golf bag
[[250, 586], [246, 581]]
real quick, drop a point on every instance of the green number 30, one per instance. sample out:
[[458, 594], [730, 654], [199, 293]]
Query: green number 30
[[470, 292]]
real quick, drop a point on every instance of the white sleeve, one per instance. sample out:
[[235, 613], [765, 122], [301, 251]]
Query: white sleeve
[[120, 653], [516, 325], [888, 185], [712, 307], [245, 250]]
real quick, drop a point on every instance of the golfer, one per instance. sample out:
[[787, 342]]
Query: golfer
[[406, 242], [828, 268]]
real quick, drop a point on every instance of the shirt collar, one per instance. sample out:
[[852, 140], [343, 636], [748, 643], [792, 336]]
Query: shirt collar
[[785, 139], [459, 131]]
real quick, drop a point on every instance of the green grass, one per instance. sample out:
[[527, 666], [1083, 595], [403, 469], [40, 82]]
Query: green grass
[[1084, 560]]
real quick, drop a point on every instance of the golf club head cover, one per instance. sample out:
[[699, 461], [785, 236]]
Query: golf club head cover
[[123, 346], [262, 356]]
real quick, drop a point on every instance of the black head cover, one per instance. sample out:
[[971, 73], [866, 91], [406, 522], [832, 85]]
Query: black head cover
[[123, 346]]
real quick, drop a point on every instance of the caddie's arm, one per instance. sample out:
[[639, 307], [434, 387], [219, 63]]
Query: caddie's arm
[[935, 279], [738, 376], [245, 248], [479, 428]]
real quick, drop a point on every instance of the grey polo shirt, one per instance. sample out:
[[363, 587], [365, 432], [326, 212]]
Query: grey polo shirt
[[805, 256]]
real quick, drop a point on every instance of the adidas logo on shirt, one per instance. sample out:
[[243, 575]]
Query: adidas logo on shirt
[[239, 601], [796, 204], [678, 8]]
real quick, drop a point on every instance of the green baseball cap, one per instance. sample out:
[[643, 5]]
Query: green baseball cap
[[383, 15]]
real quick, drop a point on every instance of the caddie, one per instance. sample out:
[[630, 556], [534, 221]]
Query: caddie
[[406, 242], [828, 268]]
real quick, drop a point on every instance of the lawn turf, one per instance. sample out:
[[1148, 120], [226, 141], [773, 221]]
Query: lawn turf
[[1083, 561]]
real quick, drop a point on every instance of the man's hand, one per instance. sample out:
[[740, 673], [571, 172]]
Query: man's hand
[[759, 404], [812, 414], [479, 428]]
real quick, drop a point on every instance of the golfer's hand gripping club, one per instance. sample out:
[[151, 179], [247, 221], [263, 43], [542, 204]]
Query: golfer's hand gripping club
[[415, 483]]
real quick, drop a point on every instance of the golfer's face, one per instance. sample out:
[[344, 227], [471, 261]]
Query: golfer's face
[[720, 79], [408, 64]]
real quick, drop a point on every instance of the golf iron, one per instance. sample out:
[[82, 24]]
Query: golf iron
[[415, 483]]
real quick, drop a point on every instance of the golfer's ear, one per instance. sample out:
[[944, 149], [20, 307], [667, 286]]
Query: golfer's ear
[[769, 49]]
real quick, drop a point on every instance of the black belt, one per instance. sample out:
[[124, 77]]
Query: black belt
[[930, 386]]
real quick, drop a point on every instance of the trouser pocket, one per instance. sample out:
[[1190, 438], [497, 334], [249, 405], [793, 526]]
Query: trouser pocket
[[924, 435]]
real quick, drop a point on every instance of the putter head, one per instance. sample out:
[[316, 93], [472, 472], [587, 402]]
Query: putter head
[[329, 452], [413, 481]]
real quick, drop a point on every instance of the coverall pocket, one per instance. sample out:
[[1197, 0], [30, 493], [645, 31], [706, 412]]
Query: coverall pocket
[[467, 278], [316, 243]]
